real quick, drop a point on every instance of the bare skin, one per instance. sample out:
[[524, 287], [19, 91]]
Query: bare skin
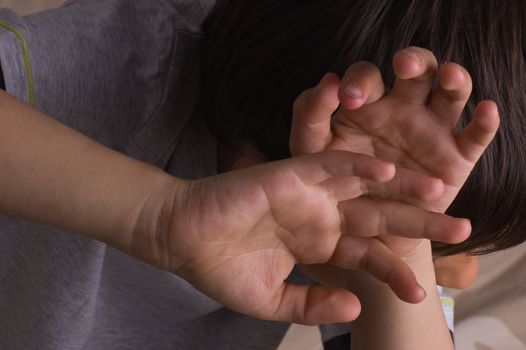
[[457, 271], [411, 126], [235, 236]]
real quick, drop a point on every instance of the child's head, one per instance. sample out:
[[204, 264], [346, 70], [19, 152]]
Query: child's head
[[261, 54]]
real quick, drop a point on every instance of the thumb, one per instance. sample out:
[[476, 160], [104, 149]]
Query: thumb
[[314, 305], [311, 117]]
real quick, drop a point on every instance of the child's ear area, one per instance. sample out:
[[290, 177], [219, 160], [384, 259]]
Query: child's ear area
[[248, 155], [456, 271], [235, 156]]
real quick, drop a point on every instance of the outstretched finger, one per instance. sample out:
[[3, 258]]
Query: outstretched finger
[[320, 167], [408, 185], [415, 70], [361, 84], [478, 134], [372, 256], [453, 91], [311, 116], [368, 217], [314, 305]]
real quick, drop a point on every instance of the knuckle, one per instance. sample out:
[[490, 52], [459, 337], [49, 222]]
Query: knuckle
[[300, 103]]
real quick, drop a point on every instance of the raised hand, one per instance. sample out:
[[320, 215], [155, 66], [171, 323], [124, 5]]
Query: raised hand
[[237, 236], [412, 125]]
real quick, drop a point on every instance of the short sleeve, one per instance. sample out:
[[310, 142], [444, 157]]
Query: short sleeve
[[99, 66], [14, 56]]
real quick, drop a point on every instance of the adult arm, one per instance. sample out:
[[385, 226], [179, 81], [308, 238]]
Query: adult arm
[[214, 232], [52, 174]]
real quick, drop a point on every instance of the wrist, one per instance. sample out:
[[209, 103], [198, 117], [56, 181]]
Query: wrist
[[419, 260], [381, 309], [150, 227]]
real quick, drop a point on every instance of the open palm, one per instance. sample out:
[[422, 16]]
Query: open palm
[[411, 126], [237, 236]]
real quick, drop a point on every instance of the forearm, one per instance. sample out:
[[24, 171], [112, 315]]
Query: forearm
[[389, 323], [52, 174]]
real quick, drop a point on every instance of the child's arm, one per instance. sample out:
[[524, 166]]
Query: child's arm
[[413, 130], [389, 323], [235, 237]]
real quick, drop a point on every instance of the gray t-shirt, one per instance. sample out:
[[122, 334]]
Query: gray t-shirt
[[125, 73]]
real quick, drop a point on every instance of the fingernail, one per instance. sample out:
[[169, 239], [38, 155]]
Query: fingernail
[[352, 91], [411, 52]]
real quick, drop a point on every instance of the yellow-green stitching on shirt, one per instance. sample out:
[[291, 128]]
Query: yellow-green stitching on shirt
[[27, 62]]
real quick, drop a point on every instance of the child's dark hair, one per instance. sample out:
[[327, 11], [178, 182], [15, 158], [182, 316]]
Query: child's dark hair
[[259, 55]]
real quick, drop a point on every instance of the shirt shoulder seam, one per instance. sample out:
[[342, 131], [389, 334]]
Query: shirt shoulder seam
[[26, 59]]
